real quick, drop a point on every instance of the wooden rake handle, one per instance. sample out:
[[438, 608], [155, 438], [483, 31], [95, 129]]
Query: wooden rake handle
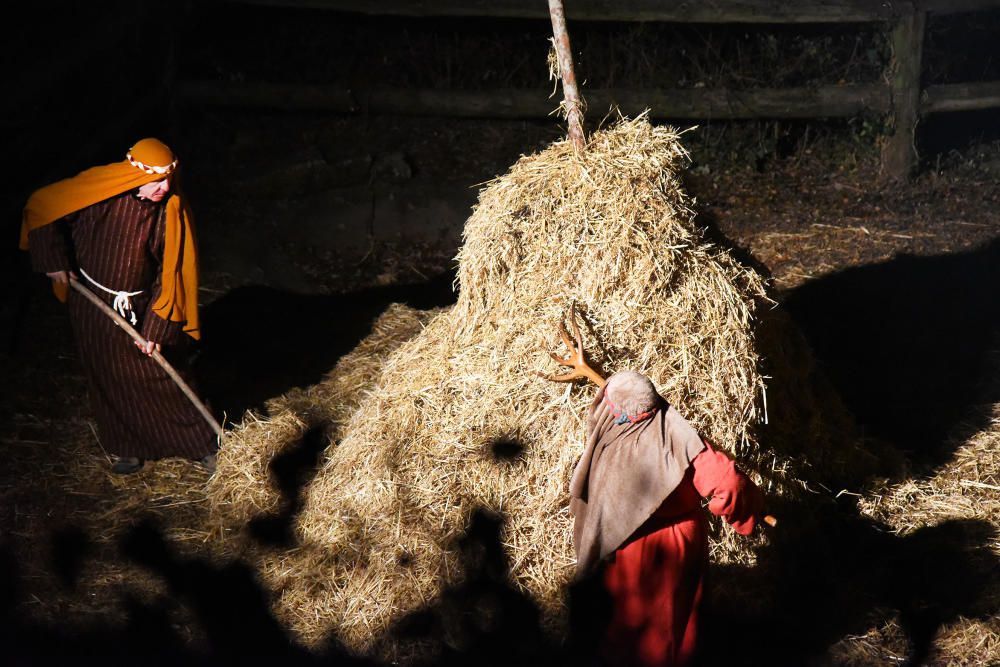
[[164, 364]]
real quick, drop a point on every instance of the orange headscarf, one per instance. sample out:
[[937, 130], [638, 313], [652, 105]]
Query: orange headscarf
[[149, 160]]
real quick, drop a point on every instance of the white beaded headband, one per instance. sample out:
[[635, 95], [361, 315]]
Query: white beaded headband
[[165, 170]]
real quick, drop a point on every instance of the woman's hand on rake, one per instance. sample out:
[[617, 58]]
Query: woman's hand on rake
[[576, 359]]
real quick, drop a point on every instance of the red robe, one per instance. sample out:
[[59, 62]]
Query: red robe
[[656, 578]]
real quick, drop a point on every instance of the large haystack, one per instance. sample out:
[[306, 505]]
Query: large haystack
[[243, 488], [457, 421]]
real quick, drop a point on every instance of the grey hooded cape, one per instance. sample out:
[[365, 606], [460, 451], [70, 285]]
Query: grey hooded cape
[[627, 469]]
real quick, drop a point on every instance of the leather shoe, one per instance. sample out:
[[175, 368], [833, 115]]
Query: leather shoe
[[208, 463], [126, 465]]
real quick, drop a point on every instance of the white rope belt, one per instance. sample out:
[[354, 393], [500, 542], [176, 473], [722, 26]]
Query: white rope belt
[[123, 299]]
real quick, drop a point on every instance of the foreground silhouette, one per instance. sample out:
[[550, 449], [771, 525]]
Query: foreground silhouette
[[907, 343], [825, 574], [829, 573]]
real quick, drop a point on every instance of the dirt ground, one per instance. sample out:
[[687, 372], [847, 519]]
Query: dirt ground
[[122, 565]]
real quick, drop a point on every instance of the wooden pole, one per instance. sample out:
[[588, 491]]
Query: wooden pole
[[574, 107], [899, 153], [136, 336]]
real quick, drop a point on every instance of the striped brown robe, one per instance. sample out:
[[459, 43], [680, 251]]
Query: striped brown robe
[[119, 243]]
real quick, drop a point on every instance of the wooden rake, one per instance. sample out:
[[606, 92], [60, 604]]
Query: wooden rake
[[159, 358]]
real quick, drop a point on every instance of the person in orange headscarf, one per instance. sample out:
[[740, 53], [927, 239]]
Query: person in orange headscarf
[[125, 231], [635, 496]]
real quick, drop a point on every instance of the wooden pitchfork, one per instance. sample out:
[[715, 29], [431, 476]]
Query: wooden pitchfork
[[164, 364], [576, 358]]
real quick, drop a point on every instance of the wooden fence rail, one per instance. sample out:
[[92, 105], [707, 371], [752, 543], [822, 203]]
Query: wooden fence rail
[[902, 99], [718, 103], [686, 11]]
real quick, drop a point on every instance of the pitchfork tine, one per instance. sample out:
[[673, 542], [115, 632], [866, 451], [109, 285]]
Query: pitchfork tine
[[576, 329], [564, 334], [565, 377]]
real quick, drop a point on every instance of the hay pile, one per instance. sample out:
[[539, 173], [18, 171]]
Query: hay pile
[[457, 421], [243, 487]]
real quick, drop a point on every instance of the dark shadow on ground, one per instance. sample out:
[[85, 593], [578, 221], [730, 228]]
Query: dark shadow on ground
[[259, 342], [825, 574], [70, 547], [484, 620], [907, 343], [829, 573], [226, 600], [292, 470], [229, 606], [807, 418]]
